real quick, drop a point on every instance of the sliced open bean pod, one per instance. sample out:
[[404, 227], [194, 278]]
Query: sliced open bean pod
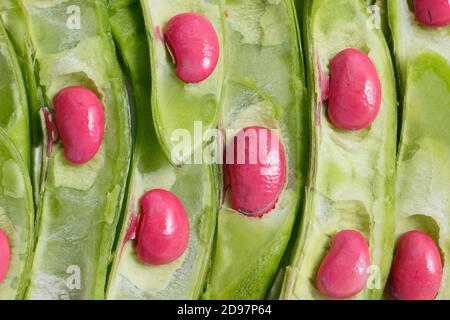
[[264, 88], [16, 221], [80, 205], [5, 255], [184, 109], [194, 185], [423, 172], [354, 92], [16, 203], [350, 186], [13, 97]]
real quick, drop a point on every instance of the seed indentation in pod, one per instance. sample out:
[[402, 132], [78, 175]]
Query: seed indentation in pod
[[343, 273], [5, 255], [194, 46], [416, 272], [80, 120], [256, 170], [355, 91], [163, 229], [432, 13]]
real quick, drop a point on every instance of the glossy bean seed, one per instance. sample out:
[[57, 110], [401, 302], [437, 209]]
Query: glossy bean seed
[[256, 172], [193, 43], [4, 255], [416, 269], [163, 228], [355, 91], [432, 13], [343, 272], [80, 121]]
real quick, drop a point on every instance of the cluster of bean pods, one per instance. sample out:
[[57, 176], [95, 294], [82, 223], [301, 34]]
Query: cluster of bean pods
[[222, 149]]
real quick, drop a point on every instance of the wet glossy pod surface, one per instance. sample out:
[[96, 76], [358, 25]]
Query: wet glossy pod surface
[[355, 90], [343, 272], [193, 43], [80, 204], [80, 121], [432, 13], [258, 171], [417, 268], [163, 230]]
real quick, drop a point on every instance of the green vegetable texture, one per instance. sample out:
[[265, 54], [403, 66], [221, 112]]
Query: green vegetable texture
[[195, 185], [178, 106], [423, 172], [16, 217], [80, 205], [264, 87], [351, 178], [79, 232], [16, 202], [13, 98], [17, 27]]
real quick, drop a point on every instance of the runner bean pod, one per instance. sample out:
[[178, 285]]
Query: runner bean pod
[[351, 176]]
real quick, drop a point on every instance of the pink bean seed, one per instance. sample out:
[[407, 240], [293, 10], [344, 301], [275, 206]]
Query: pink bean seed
[[343, 272], [257, 171], [432, 13], [80, 121], [163, 229], [355, 91], [194, 46], [416, 272]]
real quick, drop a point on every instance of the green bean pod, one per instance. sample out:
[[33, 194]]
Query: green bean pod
[[14, 116], [80, 205], [17, 27], [180, 108], [351, 179], [16, 203], [423, 172], [195, 185], [264, 87], [16, 216]]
